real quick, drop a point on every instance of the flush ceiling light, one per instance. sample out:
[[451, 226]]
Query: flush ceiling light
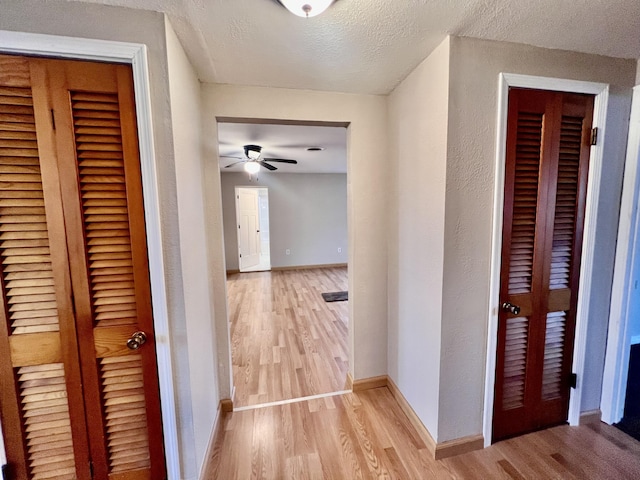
[[306, 8], [252, 167]]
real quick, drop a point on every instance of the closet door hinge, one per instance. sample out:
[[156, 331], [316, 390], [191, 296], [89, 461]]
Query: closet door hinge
[[91, 468], [53, 120], [594, 136], [573, 380]]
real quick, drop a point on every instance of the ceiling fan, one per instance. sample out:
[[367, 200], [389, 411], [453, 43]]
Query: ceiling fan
[[253, 160]]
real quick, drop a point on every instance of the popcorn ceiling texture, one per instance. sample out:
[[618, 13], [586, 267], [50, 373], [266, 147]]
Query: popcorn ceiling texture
[[360, 46]]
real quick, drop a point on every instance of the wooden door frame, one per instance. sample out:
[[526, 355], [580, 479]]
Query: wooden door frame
[[136, 55], [601, 92], [616, 363]]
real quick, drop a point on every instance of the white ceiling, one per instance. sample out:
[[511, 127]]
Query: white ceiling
[[367, 46], [285, 141]]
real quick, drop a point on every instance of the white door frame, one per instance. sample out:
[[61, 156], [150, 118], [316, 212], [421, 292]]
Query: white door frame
[[136, 55], [616, 364], [601, 91]]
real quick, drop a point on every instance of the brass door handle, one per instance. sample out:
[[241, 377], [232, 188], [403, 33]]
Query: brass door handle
[[136, 340], [509, 307]]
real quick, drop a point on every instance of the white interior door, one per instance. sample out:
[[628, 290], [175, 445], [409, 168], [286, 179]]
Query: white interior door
[[248, 227]]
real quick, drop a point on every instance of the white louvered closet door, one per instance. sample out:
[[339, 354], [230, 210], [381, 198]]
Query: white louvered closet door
[[545, 188], [75, 277]]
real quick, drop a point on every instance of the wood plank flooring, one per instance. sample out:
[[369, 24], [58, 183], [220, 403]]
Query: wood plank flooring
[[286, 341], [367, 436]]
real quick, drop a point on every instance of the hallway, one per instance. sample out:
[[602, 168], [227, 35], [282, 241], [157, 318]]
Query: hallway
[[366, 436]]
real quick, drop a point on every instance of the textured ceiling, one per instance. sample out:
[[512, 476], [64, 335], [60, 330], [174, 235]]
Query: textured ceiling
[[286, 141], [367, 46]]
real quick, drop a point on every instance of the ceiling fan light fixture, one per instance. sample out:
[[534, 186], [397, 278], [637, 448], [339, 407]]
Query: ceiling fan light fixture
[[306, 8], [252, 167], [252, 151]]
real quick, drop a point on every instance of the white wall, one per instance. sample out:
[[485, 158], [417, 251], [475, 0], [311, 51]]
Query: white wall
[[307, 215], [184, 89], [634, 316], [58, 17], [475, 65], [418, 110], [366, 198]]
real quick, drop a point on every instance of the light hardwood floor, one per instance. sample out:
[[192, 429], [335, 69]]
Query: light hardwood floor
[[366, 436], [286, 341]]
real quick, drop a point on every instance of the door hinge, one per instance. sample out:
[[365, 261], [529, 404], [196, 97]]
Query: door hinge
[[594, 136], [91, 468], [573, 380], [53, 120]]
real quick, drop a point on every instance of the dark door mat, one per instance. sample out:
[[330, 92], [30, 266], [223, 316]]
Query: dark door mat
[[335, 296]]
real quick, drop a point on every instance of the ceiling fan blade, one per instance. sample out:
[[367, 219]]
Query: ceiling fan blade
[[230, 156], [266, 165], [282, 160], [234, 163]]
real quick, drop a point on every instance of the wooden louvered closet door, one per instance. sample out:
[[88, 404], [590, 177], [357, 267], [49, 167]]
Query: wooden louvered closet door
[[548, 143], [76, 401]]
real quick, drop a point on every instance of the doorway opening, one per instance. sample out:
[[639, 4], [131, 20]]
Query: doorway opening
[[252, 217], [287, 342]]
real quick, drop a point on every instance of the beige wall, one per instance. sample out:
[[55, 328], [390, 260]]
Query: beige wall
[[307, 215], [184, 89], [475, 65], [418, 110], [366, 193]]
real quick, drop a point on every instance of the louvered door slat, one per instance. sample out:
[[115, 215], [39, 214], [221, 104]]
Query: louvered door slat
[[47, 423], [95, 179], [566, 202], [524, 201], [515, 362], [552, 380]]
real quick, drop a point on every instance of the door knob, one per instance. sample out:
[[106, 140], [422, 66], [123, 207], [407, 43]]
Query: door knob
[[136, 340], [509, 307]]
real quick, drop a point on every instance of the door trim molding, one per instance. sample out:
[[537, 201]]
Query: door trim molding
[[601, 91], [136, 55], [616, 363]]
